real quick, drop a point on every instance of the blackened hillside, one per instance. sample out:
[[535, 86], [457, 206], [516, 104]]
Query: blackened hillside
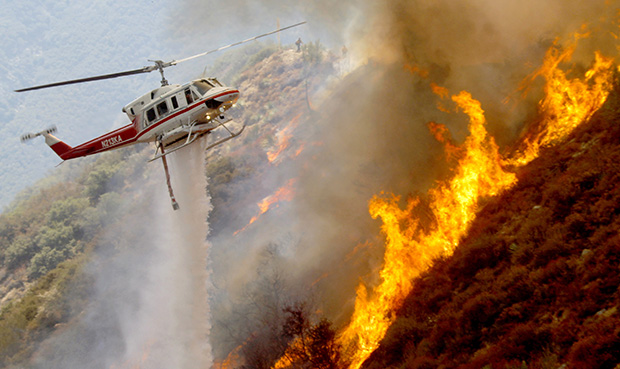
[[536, 282]]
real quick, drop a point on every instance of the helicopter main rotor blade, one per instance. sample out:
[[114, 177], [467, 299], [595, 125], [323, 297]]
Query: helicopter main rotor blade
[[159, 65], [175, 62], [88, 79]]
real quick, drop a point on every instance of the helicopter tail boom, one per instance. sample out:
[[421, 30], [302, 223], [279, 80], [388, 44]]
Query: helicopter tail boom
[[59, 147]]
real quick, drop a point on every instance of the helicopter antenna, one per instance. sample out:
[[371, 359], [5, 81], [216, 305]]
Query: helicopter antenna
[[158, 65]]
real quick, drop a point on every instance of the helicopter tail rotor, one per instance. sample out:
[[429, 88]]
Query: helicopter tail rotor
[[30, 136], [59, 147]]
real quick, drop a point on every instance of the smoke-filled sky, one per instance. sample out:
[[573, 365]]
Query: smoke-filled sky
[[372, 126], [463, 44], [148, 304]]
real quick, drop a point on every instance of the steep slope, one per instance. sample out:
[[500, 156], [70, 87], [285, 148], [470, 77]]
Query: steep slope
[[275, 86], [535, 282], [70, 245], [46, 41], [48, 236]]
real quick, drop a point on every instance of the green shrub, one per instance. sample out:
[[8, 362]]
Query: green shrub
[[44, 261], [313, 52], [19, 251], [66, 211]]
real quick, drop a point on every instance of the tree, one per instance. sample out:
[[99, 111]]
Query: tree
[[256, 318], [313, 344], [44, 261], [19, 251]]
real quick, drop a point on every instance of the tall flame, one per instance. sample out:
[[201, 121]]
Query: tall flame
[[567, 102], [409, 248]]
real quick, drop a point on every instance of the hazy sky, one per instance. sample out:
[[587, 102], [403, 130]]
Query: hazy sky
[[46, 41]]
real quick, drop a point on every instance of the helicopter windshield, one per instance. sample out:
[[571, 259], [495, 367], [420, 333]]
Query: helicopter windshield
[[203, 86]]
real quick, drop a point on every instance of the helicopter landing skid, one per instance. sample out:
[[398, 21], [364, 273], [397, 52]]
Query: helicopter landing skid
[[221, 141], [191, 137]]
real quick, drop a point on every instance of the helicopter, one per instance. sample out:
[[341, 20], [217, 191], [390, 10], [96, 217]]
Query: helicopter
[[172, 116]]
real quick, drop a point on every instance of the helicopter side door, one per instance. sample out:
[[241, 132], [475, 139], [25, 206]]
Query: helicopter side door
[[156, 112], [170, 105]]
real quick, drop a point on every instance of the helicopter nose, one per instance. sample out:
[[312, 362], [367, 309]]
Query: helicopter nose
[[231, 97]]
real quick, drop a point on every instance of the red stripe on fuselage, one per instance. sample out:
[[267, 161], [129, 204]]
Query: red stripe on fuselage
[[128, 134], [191, 107], [120, 137]]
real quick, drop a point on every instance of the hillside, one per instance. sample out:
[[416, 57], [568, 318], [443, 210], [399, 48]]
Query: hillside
[[534, 284], [77, 257], [96, 268], [47, 41], [48, 237]]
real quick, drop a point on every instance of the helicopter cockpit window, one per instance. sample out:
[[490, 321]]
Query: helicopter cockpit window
[[162, 108], [215, 82], [203, 86], [150, 115], [175, 103]]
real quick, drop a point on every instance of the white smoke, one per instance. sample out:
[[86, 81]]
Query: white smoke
[[149, 305], [171, 328], [373, 128]]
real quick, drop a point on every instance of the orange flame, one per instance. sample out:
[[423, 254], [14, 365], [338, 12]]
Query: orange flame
[[283, 136], [443, 93], [416, 69], [567, 102], [284, 193], [441, 134], [232, 360], [410, 249]]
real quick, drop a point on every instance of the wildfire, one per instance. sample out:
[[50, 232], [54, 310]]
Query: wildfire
[[232, 360], [567, 102], [443, 93], [410, 249], [416, 69], [284, 193], [284, 136], [441, 134]]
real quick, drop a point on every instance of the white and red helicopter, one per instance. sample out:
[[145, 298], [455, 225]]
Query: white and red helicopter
[[172, 116]]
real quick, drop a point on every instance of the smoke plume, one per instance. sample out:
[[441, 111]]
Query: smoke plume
[[370, 129], [366, 134], [149, 307]]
